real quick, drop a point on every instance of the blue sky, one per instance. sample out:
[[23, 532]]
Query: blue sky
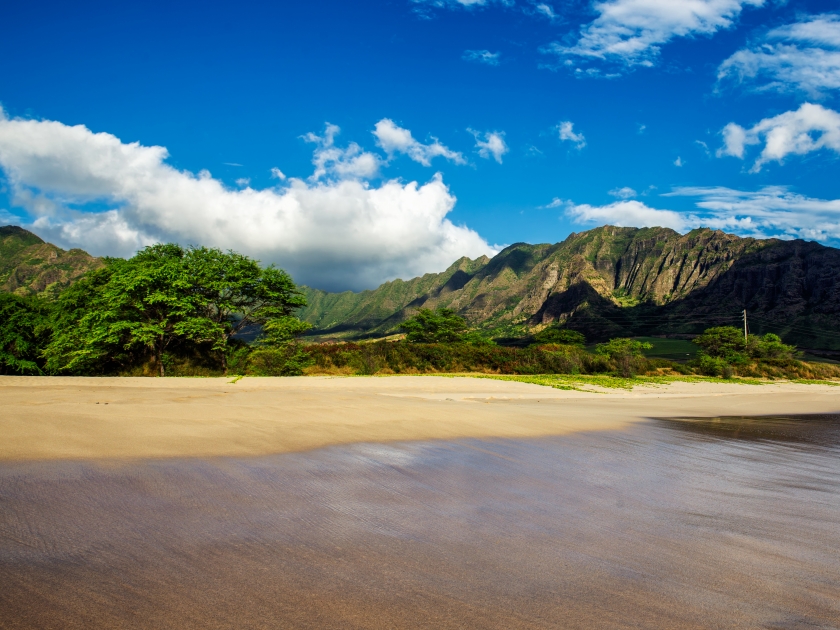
[[519, 120]]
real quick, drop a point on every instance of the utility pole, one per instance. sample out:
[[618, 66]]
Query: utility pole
[[745, 325]]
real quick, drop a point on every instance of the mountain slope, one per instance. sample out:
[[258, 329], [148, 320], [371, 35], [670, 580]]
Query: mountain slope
[[615, 281], [30, 266]]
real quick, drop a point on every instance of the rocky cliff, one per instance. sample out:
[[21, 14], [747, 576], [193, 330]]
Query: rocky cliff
[[614, 281]]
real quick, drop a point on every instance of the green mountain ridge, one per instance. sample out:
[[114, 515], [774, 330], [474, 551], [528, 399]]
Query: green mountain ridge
[[613, 281], [30, 266], [605, 282]]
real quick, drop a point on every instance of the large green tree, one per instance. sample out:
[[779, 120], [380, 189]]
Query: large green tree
[[164, 296], [439, 326], [23, 333]]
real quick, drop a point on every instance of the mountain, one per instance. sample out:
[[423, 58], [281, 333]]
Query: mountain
[[30, 266], [613, 281]]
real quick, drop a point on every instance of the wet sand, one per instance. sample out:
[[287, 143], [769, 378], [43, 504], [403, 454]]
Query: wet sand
[[661, 525], [180, 506], [96, 418]]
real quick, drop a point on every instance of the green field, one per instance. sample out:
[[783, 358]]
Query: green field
[[673, 349]]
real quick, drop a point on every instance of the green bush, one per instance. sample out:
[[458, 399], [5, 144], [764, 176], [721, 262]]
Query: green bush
[[439, 326], [283, 360], [560, 336], [626, 354]]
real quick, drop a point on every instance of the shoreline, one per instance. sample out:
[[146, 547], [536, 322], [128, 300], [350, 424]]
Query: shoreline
[[84, 418]]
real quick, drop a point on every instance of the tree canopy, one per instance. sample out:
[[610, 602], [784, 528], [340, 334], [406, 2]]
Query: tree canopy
[[439, 326], [728, 344], [163, 296], [23, 331], [557, 335]]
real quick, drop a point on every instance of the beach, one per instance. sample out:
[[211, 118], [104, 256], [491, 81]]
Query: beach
[[104, 418], [417, 502]]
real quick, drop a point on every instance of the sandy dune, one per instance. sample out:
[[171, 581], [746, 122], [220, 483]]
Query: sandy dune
[[80, 418]]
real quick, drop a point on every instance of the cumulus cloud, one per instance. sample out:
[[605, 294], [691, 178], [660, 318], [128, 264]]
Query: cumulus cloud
[[628, 213], [334, 231], [566, 132], [623, 193], [493, 145], [631, 32], [394, 139], [809, 128], [803, 56], [482, 56], [769, 212], [332, 161]]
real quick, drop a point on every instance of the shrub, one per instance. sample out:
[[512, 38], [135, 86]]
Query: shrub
[[626, 354], [560, 336], [283, 360]]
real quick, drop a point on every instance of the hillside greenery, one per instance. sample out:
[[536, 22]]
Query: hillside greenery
[[166, 309], [171, 310], [611, 282]]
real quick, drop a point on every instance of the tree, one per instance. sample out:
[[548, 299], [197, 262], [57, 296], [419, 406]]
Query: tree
[[727, 343], [557, 335], [162, 297], [234, 292], [439, 326], [770, 346], [724, 342], [626, 353], [23, 333]]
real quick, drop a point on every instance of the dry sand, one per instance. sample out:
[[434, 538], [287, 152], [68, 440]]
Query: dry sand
[[82, 418]]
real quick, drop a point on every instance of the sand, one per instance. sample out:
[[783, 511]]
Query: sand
[[58, 418]]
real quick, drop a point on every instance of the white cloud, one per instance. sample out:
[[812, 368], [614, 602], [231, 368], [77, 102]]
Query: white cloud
[[545, 10], [555, 203], [678, 161], [243, 182], [394, 139], [631, 32], [773, 211], [482, 56], [630, 213], [336, 231], [809, 128], [769, 212], [493, 144], [566, 132], [276, 173], [425, 8], [461, 3], [332, 161], [803, 56], [623, 193]]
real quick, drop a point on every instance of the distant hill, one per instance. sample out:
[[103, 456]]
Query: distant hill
[[28, 265], [613, 281]]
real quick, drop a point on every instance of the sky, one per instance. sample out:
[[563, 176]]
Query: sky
[[352, 143]]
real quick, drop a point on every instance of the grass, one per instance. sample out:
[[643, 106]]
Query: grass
[[577, 382], [674, 349]]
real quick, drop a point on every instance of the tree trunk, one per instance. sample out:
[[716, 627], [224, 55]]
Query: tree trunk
[[224, 362], [159, 357]]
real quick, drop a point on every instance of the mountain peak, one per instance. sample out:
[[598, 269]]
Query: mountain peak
[[29, 265]]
